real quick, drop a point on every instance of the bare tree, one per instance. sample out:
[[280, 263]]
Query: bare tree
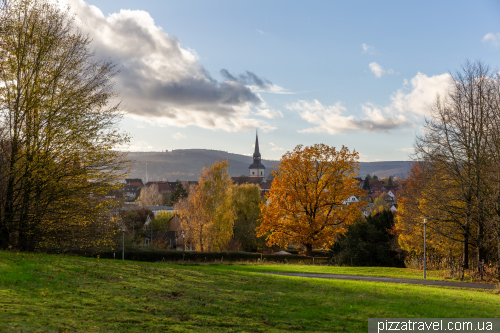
[[150, 196], [455, 148], [493, 147]]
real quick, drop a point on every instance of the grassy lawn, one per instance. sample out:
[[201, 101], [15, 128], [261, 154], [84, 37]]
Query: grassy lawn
[[50, 293], [404, 273]]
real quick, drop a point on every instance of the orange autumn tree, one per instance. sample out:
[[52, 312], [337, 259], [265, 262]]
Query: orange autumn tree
[[307, 200]]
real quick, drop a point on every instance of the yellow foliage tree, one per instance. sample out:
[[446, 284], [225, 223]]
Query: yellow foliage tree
[[58, 152], [162, 220], [307, 203], [194, 223], [245, 200], [431, 198], [207, 216]]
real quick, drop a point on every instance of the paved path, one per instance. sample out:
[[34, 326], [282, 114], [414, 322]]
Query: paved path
[[390, 280]]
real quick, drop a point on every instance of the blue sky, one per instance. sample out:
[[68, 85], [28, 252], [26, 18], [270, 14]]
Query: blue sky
[[356, 73]]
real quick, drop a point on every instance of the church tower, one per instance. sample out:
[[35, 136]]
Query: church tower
[[256, 168]]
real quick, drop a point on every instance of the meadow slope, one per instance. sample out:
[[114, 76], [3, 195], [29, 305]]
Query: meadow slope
[[54, 293]]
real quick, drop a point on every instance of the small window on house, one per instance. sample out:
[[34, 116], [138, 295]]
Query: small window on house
[[253, 173]]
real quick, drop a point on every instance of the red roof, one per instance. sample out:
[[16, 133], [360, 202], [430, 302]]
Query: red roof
[[376, 185], [134, 182], [266, 185], [162, 186], [247, 180]]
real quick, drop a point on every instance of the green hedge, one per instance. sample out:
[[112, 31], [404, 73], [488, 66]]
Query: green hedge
[[165, 255], [315, 253]]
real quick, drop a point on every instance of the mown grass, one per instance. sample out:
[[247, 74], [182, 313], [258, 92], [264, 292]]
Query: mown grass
[[392, 272], [50, 293]]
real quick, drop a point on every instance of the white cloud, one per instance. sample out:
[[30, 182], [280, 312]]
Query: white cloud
[[140, 145], [272, 89], [417, 96], [269, 113], [162, 82], [406, 149], [492, 38], [178, 136], [408, 105], [207, 121], [378, 70], [331, 119], [255, 83], [368, 49], [259, 31], [363, 157], [274, 147]]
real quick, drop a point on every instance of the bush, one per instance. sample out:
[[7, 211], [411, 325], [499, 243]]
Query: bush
[[175, 255], [315, 253], [368, 243]]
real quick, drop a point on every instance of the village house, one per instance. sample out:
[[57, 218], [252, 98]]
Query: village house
[[163, 186]]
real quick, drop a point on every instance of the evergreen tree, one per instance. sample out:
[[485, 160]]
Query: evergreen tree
[[179, 193], [366, 184], [374, 177], [390, 182], [368, 243]]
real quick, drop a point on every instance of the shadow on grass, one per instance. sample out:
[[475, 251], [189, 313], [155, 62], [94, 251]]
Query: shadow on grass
[[53, 293]]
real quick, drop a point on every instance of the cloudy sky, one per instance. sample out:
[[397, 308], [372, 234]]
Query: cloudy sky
[[207, 74]]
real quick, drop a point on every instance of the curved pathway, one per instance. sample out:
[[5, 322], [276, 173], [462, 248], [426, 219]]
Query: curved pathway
[[390, 280]]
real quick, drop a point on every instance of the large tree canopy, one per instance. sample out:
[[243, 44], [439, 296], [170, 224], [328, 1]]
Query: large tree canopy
[[245, 200], [59, 131], [308, 200], [207, 216]]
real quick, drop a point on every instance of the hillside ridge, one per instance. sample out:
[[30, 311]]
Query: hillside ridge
[[186, 164]]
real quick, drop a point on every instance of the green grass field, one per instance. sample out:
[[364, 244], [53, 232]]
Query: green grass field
[[50, 293], [392, 272]]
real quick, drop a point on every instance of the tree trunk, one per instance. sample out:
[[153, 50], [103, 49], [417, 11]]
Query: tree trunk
[[309, 250], [498, 251], [481, 251], [4, 237], [465, 264], [8, 216]]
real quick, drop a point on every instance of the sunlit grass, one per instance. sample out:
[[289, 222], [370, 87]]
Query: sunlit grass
[[393, 272], [50, 293]]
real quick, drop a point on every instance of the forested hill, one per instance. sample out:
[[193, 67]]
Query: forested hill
[[185, 164]]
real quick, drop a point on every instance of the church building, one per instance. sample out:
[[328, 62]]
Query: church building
[[257, 169]]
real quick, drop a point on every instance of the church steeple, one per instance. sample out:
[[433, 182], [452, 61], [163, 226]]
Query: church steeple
[[256, 153], [257, 169]]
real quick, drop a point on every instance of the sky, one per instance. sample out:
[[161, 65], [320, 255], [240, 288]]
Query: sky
[[208, 74]]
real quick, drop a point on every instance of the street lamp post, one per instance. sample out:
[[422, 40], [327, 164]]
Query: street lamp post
[[183, 244], [123, 244], [425, 247]]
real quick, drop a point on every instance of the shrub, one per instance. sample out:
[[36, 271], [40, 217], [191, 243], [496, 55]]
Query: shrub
[[368, 243], [175, 255]]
